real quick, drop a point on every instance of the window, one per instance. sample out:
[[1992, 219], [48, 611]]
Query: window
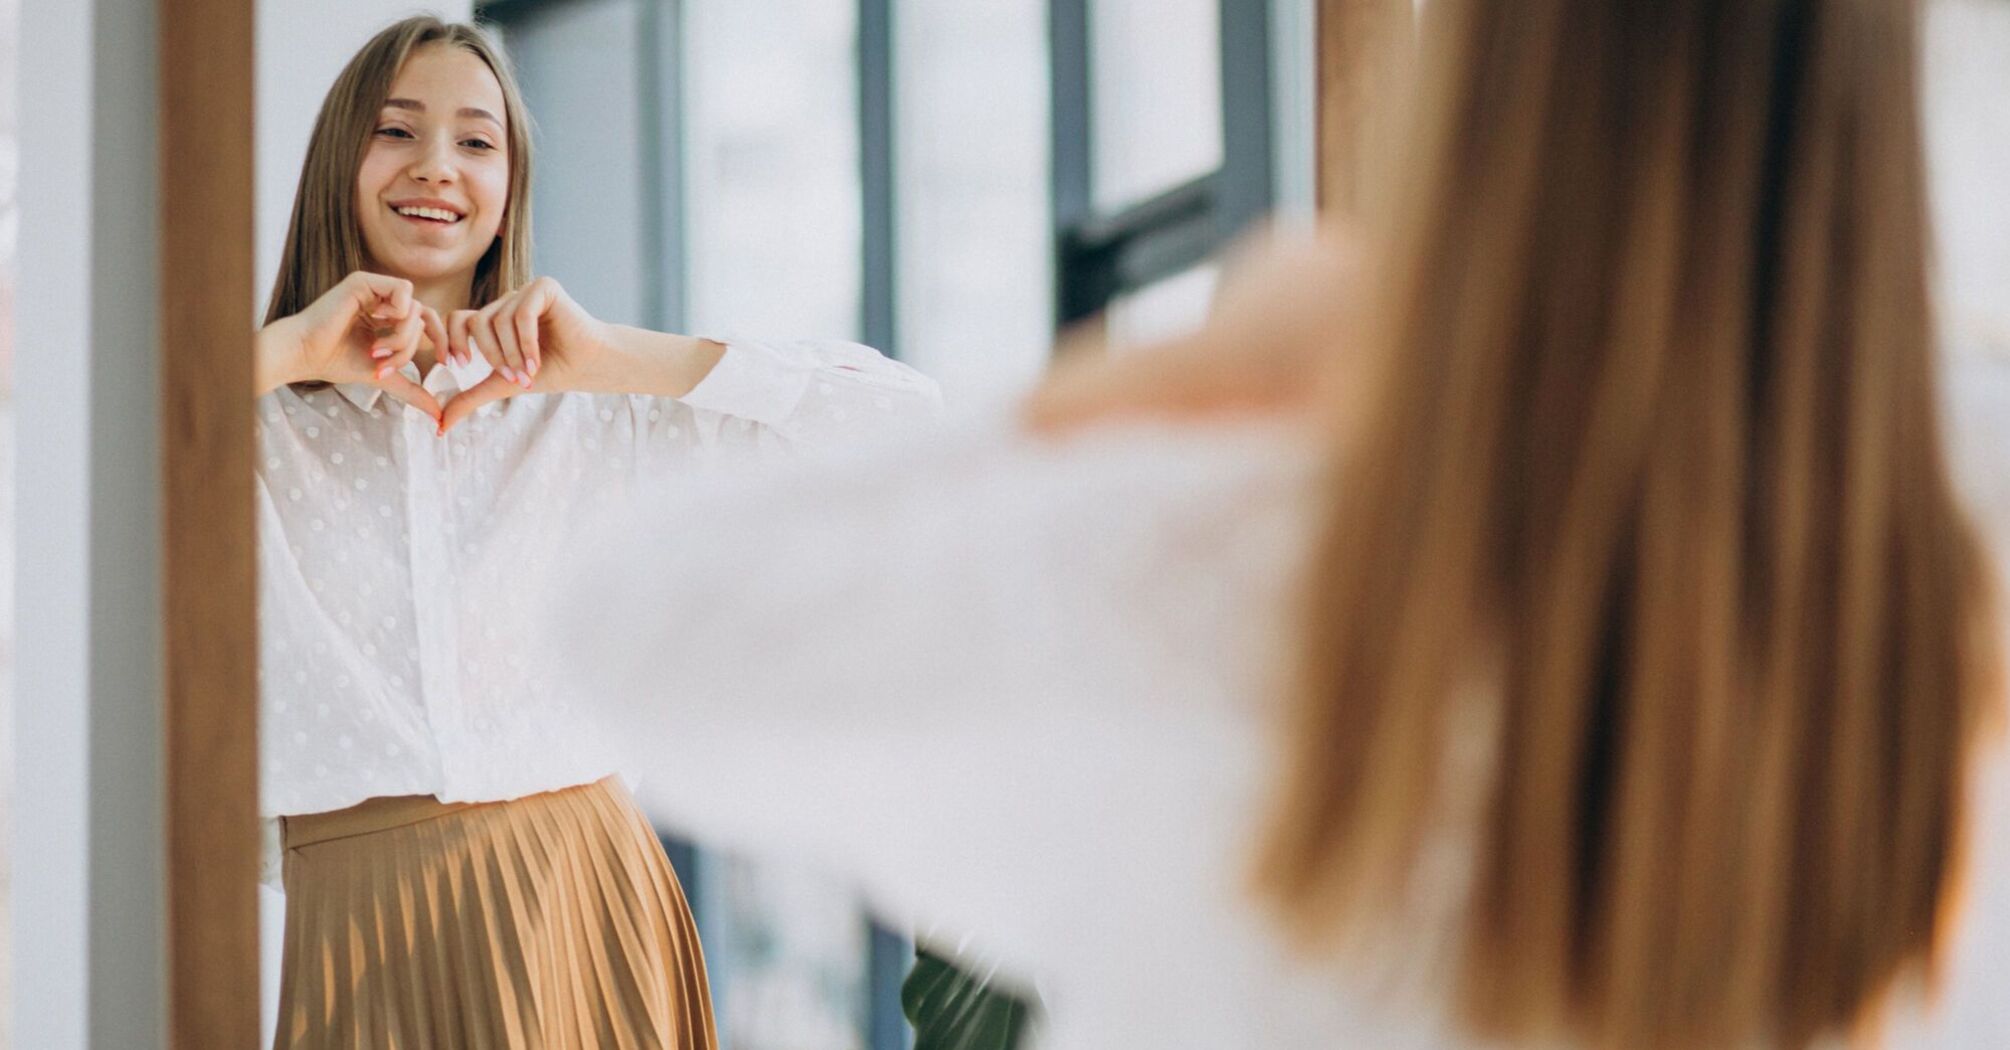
[[949, 182], [1162, 153]]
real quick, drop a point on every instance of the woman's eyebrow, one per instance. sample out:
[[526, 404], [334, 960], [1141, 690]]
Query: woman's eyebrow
[[417, 106]]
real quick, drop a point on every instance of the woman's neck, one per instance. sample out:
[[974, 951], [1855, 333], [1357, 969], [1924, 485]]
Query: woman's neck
[[445, 294]]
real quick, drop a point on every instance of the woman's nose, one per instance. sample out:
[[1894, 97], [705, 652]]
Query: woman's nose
[[435, 164]]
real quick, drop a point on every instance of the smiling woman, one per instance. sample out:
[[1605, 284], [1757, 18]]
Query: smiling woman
[[437, 790]]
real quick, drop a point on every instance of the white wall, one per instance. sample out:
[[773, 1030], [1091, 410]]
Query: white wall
[[1967, 89], [87, 896], [302, 45]]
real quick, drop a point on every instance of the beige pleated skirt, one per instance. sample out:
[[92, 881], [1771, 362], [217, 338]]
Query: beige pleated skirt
[[552, 922]]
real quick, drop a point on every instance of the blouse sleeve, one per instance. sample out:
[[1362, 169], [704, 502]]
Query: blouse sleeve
[[914, 665], [923, 586], [813, 391]]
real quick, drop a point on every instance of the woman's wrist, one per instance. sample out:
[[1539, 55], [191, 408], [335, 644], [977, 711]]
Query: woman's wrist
[[275, 358], [640, 361]]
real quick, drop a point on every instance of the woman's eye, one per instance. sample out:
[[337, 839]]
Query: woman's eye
[[478, 143], [396, 133]]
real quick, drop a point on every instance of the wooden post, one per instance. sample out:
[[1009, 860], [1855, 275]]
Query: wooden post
[[209, 544]]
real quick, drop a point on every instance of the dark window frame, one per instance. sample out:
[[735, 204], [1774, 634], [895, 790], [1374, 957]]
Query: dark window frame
[[1102, 256]]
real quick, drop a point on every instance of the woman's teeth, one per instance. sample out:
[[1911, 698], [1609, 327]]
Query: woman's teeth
[[436, 214]]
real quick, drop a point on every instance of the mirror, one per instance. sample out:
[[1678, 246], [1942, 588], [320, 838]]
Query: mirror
[[948, 184]]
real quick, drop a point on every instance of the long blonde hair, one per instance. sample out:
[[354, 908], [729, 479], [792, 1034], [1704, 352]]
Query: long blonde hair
[[324, 240], [1654, 460]]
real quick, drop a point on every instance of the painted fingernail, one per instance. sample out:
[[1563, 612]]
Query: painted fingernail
[[523, 380], [383, 370], [382, 351], [507, 374], [533, 367]]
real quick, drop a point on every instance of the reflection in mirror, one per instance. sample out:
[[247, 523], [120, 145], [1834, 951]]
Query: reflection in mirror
[[725, 196]]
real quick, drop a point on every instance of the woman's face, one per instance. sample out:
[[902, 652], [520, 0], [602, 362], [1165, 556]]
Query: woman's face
[[435, 176]]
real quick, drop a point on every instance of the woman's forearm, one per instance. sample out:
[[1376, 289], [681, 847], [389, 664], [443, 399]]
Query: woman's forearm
[[640, 361], [275, 359]]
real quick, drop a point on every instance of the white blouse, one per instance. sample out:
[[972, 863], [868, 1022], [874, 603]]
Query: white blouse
[[1023, 692], [394, 624], [1018, 691]]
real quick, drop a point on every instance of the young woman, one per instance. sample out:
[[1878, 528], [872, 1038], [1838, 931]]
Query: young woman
[[460, 870], [1595, 655]]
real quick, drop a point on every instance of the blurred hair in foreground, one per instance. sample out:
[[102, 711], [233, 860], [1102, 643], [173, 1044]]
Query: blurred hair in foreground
[[1650, 489]]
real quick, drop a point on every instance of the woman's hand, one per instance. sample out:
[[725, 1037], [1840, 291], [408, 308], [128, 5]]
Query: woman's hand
[[363, 330], [539, 340], [536, 338]]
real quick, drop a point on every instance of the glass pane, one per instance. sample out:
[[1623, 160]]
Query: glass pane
[[771, 162], [578, 63], [1155, 76], [9, 232], [1166, 309], [974, 257], [786, 949]]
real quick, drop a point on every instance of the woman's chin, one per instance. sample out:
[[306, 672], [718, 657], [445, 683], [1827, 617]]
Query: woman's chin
[[426, 266]]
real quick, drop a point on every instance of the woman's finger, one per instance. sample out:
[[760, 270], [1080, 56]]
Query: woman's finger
[[403, 342], [400, 386], [381, 297], [436, 334], [463, 405], [504, 333], [529, 313], [461, 335]]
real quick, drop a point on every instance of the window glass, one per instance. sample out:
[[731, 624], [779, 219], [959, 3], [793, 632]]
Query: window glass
[[974, 271], [772, 167], [578, 64], [1155, 87]]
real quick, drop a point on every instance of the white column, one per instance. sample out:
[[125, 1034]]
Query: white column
[[88, 887]]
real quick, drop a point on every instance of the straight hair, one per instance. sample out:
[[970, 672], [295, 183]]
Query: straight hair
[[324, 239], [1651, 495]]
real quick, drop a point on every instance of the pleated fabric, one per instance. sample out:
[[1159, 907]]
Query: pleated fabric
[[552, 922]]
